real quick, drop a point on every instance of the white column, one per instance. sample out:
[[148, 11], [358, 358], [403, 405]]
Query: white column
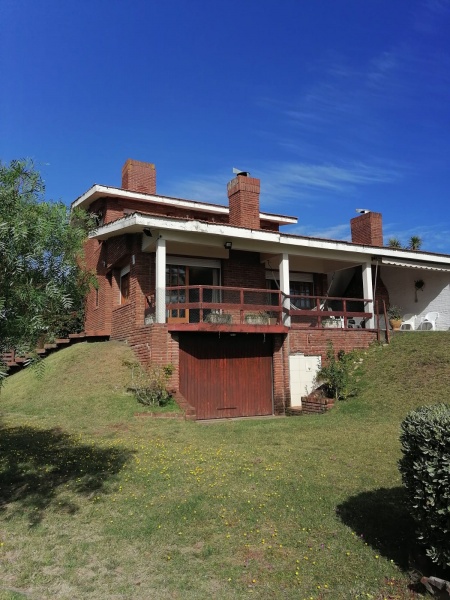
[[368, 292], [284, 286], [160, 295]]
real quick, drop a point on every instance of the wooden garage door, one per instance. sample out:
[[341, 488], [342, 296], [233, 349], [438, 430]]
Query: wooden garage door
[[226, 376]]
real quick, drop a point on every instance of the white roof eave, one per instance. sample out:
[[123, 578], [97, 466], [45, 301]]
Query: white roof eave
[[99, 191], [287, 243]]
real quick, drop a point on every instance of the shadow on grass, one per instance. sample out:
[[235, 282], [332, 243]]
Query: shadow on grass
[[36, 463], [382, 520]]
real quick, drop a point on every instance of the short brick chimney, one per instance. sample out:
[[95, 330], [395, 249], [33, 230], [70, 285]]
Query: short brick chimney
[[367, 229], [243, 197], [139, 177]]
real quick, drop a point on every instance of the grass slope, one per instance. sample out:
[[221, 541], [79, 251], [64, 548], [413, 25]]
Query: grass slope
[[96, 503]]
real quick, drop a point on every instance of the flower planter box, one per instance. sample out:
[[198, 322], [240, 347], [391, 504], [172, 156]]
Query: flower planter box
[[257, 319], [218, 318]]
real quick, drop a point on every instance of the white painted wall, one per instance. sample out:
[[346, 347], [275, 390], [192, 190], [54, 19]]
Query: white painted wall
[[302, 374], [435, 295]]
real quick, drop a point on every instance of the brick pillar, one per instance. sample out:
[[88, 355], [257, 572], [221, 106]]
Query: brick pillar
[[367, 229], [243, 196], [139, 177]]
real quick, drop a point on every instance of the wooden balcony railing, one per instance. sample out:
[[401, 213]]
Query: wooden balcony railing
[[221, 305], [326, 311]]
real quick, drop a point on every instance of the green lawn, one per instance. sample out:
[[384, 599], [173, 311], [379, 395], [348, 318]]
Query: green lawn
[[98, 503]]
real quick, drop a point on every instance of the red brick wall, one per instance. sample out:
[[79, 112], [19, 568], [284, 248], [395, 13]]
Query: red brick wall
[[243, 195], [113, 210], [106, 259], [98, 312], [139, 176], [268, 226], [367, 229], [122, 322], [314, 342], [244, 269], [281, 395]]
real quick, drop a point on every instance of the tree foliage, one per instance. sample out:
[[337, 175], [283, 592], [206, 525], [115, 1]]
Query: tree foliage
[[425, 469], [414, 243], [43, 281]]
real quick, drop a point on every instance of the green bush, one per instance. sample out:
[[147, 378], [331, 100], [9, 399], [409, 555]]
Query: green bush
[[150, 385], [336, 373], [425, 469]]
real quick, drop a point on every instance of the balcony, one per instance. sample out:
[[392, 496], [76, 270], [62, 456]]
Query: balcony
[[235, 309]]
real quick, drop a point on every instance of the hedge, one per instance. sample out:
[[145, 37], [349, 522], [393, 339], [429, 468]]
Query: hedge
[[425, 469]]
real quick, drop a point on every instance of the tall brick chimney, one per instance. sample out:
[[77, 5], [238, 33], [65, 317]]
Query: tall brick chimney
[[243, 197], [367, 229], [139, 177]]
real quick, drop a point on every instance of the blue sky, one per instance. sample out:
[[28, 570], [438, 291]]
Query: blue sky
[[333, 104]]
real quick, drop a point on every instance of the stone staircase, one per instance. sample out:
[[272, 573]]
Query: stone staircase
[[15, 362]]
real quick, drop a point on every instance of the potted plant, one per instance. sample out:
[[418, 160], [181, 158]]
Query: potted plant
[[395, 316], [259, 318], [419, 284], [218, 317]]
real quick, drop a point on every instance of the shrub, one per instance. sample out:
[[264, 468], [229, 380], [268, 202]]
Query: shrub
[[335, 374], [425, 469], [150, 385]]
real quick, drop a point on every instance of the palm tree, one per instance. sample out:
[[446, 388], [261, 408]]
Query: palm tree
[[394, 243], [415, 243]]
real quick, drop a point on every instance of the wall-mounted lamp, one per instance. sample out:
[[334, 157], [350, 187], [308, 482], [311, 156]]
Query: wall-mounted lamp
[[147, 232], [228, 245]]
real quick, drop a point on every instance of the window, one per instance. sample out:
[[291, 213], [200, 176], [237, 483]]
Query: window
[[124, 284], [300, 284], [301, 288]]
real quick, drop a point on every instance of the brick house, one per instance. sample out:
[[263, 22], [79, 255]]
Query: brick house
[[243, 311]]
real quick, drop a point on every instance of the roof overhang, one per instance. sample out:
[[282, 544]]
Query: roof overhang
[[416, 265], [334, 254], [101, 191]]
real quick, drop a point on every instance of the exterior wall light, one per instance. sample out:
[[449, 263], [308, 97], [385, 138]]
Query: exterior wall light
[[228, 245]]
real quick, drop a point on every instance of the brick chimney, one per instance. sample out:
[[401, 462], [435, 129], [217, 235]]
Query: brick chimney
[[139, 177], [243, 197], [367, 229]]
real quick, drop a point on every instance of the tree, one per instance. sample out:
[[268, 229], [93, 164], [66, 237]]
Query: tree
[[43, 281], [415, 243], [394, 243]]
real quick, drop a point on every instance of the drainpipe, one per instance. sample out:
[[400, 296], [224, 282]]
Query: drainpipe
[[160, 295], [368, 292], [285, 287]]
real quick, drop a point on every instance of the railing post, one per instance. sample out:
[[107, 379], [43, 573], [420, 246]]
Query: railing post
[[241, 302], [319, 312]]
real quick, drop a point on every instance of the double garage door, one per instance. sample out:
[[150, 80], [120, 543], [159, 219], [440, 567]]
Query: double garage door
[[226, 375]]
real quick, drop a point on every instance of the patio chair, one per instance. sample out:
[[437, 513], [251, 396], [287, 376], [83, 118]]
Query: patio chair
[[356, 323], [428, 323], [408, 322]]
